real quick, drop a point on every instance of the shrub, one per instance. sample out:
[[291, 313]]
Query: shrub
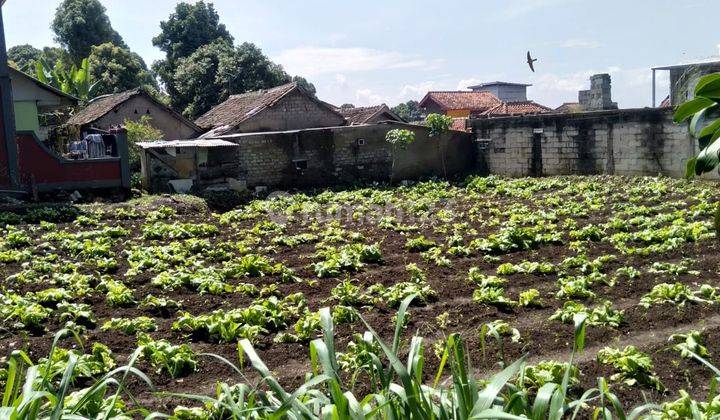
[[400, 137], [138, 131], [438, 124]]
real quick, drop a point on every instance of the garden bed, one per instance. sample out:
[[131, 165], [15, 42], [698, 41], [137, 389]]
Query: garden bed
[[483, 250]]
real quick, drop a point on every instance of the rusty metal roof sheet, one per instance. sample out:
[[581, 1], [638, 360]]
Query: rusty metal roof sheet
[[186, 143]]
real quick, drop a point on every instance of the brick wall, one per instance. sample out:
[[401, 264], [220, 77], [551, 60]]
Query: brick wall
[[133, 109], [293, 112], [345, 155], [622, 142]]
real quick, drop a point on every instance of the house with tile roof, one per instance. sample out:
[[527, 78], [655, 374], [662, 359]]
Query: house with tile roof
[[458, 104], [516, 108], [282, 108], [569, 108], [32, 98], [494, 99], [112, 110], [369, 114]]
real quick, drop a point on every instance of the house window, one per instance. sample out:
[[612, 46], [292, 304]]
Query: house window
[[300, 164]]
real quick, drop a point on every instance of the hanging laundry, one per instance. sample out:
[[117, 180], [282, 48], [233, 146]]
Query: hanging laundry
[[96, 146]]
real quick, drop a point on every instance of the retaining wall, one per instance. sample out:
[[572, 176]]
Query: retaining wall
[[348, 154], [622, 142]]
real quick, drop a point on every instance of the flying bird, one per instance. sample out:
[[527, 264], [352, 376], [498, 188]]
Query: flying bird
[[530, 61]]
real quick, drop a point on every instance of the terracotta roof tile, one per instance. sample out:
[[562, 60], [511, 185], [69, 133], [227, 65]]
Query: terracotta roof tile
[[470, 100], [517, 108], [238, 108], [102, 105], [569, 107]]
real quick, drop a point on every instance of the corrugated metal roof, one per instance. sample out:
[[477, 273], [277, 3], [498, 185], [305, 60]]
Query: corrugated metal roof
[[707, 62], [487, 84], [186, 143]]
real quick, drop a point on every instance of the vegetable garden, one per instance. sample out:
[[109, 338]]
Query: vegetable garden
[[310, 304]]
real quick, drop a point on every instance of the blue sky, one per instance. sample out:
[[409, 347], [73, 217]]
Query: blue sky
[[394, 50]]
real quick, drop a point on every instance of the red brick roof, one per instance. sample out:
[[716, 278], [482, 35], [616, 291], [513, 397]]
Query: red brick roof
[[517, 108], [472, 101]]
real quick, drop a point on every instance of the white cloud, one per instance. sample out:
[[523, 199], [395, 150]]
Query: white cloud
[[464, 83], [313, 61], [365, 97], [416, 91]]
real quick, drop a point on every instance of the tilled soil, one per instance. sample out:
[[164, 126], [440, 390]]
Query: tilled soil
[[542, 339]]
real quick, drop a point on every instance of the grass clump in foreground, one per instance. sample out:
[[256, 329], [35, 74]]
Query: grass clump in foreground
[[397, 388]]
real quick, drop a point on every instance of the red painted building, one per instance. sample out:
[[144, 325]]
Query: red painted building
[[26, 164]]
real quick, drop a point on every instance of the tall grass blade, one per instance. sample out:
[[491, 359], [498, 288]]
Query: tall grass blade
[[487, 397], [263, 370]]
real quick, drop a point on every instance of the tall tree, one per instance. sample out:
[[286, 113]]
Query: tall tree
[[116, 69], [54, 54], [25, 56], [409, 111], [305, 84], [189, 27], [81, 24], [215, 71]]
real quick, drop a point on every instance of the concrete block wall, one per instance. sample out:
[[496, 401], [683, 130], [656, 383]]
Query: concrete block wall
[[598, 97], [622, 142], [349, 154]]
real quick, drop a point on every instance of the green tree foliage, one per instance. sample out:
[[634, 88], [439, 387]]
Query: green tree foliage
[[24, 56], [305, 85], [202, 66], [81, 24], [117, 69], [75, 80], [409, 111], [438, 124], [189, 27], [139, 131], [347, 106], [703, 111], [53, 54], [215, 71], [400, 137]]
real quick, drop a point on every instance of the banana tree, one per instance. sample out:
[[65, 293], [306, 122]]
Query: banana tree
[[703, 111], [77, 81]]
